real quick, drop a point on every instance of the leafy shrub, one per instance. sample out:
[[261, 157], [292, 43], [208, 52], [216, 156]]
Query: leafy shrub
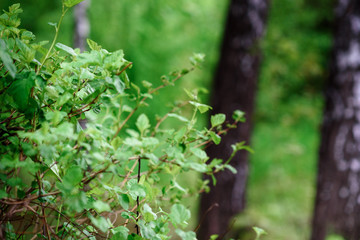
[[71, 167]]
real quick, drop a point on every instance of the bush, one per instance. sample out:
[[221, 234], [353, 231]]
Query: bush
[[71, 167]]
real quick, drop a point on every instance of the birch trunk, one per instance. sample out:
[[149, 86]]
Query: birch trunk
[[82, 26], [337, 206], [234, 88]]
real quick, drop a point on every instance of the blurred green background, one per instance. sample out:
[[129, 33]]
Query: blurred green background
[[158, 36]]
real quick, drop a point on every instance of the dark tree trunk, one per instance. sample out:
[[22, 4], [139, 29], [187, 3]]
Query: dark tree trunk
[[82, 26], [81, 32], [337, 206], [234, 88]]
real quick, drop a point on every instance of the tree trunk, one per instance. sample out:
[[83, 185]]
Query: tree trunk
[[82, 26], [234, 88], [337, 206], [81, 32]]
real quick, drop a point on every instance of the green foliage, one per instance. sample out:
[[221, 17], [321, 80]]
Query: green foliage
[[65, 180], [334, 237], [259, 232]]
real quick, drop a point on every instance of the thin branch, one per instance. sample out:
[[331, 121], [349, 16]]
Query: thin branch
[[137, 198], [143, 100], [9, 118], [167, 115], [128, 175], [67, 219], [43, 217], [132, 210], [10, 201], [119, 73], [54, 40], [204, 215], [93, 175]]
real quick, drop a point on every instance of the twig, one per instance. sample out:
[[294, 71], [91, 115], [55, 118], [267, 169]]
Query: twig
[[143, 100], [43, 217], [128, 175], [124, 68], [166, 116], [79, 111], [10, 201], [67, 218], [137, 198], [204, 215], [9, 118], [55, 38], [132, 210]]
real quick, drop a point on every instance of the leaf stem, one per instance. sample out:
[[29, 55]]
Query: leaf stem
[[64, 10]]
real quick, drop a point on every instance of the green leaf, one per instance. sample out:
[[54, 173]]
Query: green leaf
[[214, 237], [93, 45], [71, 3], [215, 138], [133, 236], [148, 214], [15, 8], [55, 117], [146, 84], [334, 237], [47, 151], [20, 90], [6, 59], [150, 142], [199, 153], [101, 206], [52, 24], [181, 118], [199, 167], [142, 123], [28, 54], [152, 157], [120, 233], [238, 116], [177, 186], [54, 168], [147, 230], [217, 119], [65, 130], [135, 189], [179, 214], [86, 74], [64, 99], [3, 194], [73, 175], [231, 168], [241, 146], [114, 61], [116, 83], [116, 142], [124, 201], [186, 235], [102, 223], [201, 107], [27, 35], [259, 232], [67, 49], [180, 134]]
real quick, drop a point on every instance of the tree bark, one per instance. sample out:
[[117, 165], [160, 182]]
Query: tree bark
[[234, 88], [81, 32], [337, 205], [82, 26]]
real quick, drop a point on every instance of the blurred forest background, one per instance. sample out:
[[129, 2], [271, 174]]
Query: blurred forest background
[[158, 36]]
